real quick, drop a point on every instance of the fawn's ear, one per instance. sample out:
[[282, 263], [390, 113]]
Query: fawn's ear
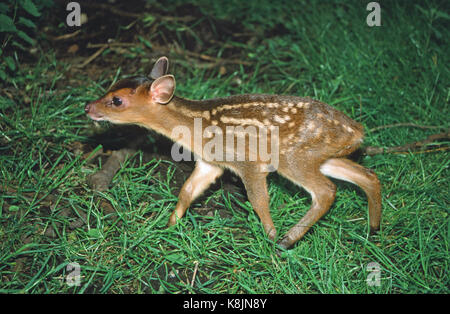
[[162, 89], [160, 68]]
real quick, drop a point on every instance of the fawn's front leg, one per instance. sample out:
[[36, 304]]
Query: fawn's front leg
[[203, 175], [256, 185]]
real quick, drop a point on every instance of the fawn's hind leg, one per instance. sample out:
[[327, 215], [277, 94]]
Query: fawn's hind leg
[[347, 170], [322, 191]]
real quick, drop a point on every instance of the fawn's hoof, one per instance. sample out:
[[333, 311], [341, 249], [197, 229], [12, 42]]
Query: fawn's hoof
[[374, 230], [281, 247], [285, 243], [271, 232]]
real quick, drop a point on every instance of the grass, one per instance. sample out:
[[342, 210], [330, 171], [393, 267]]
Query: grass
[[394, 73]]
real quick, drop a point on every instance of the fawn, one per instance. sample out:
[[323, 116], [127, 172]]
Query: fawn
[[312, 140]]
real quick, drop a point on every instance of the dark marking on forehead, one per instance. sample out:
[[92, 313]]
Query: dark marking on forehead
[[130, 82]]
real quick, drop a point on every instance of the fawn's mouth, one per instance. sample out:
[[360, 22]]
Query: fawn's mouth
[[91, 111], [96, 116]]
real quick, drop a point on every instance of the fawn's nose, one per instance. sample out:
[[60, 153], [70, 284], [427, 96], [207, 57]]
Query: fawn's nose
[[87, 108]]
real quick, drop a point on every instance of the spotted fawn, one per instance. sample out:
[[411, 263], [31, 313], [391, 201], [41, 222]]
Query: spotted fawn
[[311, 142]]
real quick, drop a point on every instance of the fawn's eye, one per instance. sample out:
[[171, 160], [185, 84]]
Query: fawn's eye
[[116, 101]]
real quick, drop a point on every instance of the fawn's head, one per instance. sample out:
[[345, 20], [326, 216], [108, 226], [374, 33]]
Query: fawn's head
[[129, 99]]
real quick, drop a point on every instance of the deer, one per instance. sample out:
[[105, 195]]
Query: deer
[[309, 142]]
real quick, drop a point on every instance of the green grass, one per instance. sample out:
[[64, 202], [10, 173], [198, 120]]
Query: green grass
[[394, 73]]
